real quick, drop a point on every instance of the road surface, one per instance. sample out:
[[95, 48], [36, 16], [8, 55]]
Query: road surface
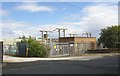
[[102, 65]]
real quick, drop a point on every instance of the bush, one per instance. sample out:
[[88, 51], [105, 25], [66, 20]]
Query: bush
[[35, 49]]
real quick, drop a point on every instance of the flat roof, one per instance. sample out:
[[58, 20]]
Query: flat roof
[[77, 37]]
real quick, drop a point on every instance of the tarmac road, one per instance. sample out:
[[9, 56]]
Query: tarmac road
[[104, 65]]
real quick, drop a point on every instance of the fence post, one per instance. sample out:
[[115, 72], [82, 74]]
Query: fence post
[[1, 51], [26, 52]]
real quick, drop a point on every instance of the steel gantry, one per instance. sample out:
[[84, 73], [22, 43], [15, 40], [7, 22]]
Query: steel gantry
[[88, 34], [59, 30], [73, 35], [42, 32]]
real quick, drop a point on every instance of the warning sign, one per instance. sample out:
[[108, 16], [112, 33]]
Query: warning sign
[[75, 45], [54, 46]]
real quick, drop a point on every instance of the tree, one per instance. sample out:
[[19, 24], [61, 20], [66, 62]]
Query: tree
[[110, 37], [35, 49]]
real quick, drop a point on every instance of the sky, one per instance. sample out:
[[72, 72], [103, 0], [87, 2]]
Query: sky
[[27, 18]]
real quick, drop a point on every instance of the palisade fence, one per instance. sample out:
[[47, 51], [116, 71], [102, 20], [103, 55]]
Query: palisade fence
[[15, 49], [57, 49], [68, 49], [10, 49]]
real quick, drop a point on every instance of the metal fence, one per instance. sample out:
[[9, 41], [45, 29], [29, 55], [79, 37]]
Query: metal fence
[[10, 49], [16, 49], [59, 49], [56, 49], [81, 48], [68, 49]]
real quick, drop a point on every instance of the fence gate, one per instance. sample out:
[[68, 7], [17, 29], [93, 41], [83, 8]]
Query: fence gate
[[59, 49]]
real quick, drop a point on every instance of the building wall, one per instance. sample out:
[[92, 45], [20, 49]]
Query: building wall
[[90, 42], [11, 41], [84, 39], [77, 39], [66, 39]]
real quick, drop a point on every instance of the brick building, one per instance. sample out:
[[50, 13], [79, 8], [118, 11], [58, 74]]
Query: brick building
[[78, 44]]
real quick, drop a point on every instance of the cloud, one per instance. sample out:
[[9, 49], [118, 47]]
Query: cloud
[[95, 17], [11, 24], [34, 7], [14, 29], [10, 28], [60, 0], [3, 12]]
